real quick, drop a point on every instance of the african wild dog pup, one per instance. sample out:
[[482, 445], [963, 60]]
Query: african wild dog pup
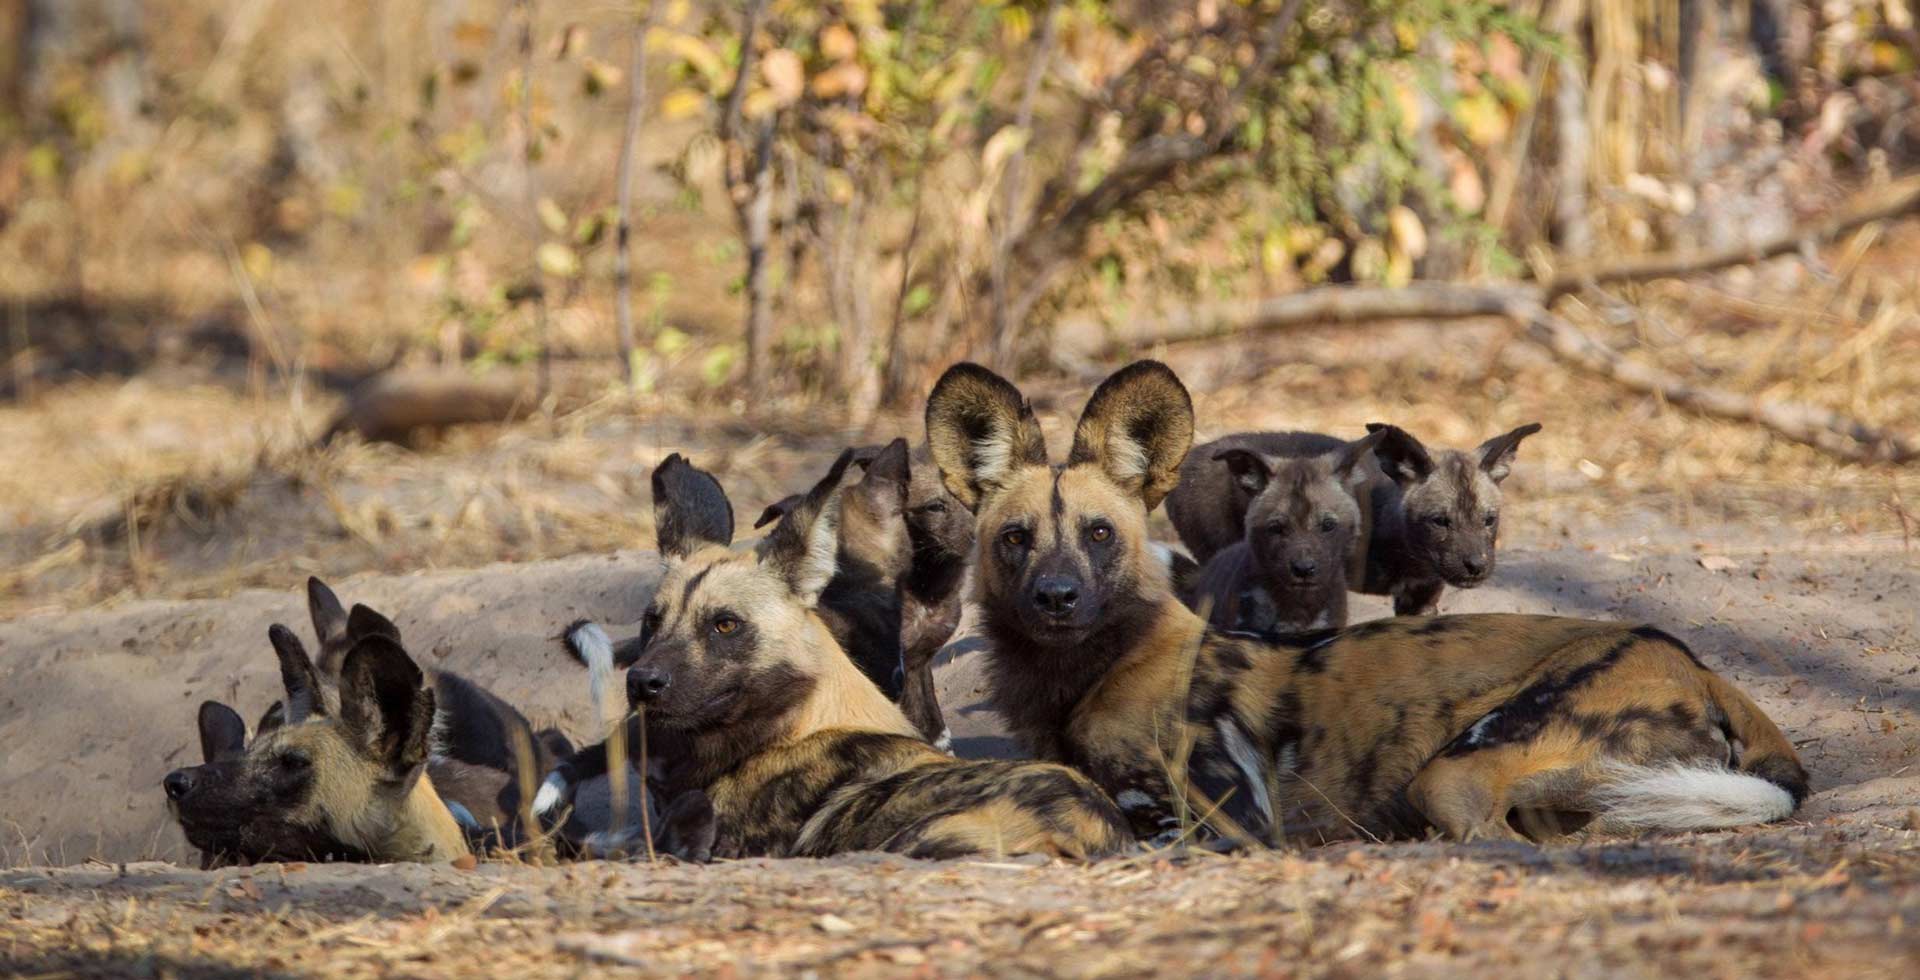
[[1428, 520], [747, 699], [940, 533], [1305, 534], [1475, 725]]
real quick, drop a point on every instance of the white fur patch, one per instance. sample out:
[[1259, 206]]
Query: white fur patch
[[1478, 732], [1161, 554], [945, 742], [1241, 752], [548, 796], [1127, 459], [1133, 799], [596, 651], [993, 457], [1686, 796]]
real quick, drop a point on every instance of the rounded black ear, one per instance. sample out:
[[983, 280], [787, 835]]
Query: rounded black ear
[[778, 509], [1137, 428], [297, 674], [980, 431], [385, 709], [222, 734], [1349, 457], [363, 622], [274, 717], [329, 616], [1496, 454], [1249, 471], [1402, 457], [690, 510]]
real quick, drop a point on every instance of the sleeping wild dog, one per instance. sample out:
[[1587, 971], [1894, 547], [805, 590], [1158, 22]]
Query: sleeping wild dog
[[747, 699], [1478, 726]]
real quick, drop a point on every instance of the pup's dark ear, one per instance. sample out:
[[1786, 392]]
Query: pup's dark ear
[[274, 717], [1402, 457], [297, 675], [222, 734], [804, 546], [329, 616], [1250, 472], [385, 710], [1496, 454], [363, 622], [883, 490], [980, 431], [1355, 452], [778, 509], [1137, 429], [690, 511]]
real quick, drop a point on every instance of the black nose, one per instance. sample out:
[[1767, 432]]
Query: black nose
[[1303, 568], [178, 782], [1055, 595], [646, 684], [1476, 566]]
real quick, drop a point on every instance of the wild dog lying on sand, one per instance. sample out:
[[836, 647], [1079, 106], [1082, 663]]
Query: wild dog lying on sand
[[1428, 519], [747, 699], [1305, 535], [940, 536], [345, 783], [1475, 725]]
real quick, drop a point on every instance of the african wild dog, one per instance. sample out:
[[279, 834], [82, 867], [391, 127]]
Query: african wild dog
[[1305, 535], [330, 783], [747, 699], [475, 743], [1474, 725], [940, 533]]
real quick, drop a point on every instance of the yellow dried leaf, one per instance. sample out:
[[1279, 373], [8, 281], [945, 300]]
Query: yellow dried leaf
[[786, 77], [698, 54], [557, 260], [554, 219], [845, 78], [681, 103], [838, 43], [1409, 234], [1000, 146]]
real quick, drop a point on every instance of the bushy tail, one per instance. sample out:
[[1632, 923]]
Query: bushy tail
[[1763, 750], [1700, 795], [590, 645]]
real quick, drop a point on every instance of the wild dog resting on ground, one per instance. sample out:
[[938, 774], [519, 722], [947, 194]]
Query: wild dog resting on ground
[[940, 533], [1305, 535], [1428, 519], [327, 784], [1474, 725], [747, 698]]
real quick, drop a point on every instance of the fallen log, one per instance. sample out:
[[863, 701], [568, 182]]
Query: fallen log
[[393, 406]]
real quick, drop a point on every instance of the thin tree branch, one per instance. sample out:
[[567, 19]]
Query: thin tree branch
[[623, 228]]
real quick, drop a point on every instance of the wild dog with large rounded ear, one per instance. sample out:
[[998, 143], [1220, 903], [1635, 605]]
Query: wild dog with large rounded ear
[[980, 430], [386, 709], [1137, 428]]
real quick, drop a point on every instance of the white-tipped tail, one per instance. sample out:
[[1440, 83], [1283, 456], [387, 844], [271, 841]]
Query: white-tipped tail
[[549, 795], [594, 648], [1686, 796]]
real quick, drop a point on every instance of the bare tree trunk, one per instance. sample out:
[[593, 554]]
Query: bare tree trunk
[[529, 152], [893, 387], [758, 226], [1573, 160], [1004, 335], [623, 226]]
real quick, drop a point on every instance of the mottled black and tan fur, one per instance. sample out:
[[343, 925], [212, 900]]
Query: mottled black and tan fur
[[748, 699], [1472, 725]]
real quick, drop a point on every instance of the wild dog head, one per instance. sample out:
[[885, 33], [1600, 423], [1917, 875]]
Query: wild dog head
[[730, 636], [872, 524], [1304, 520], [1451, 499], [1062, 551], [325, 783]]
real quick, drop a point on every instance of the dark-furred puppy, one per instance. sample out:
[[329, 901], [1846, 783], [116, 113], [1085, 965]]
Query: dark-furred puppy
[[1429, 518]]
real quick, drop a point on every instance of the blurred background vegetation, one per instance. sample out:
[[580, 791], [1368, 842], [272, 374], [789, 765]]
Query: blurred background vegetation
[[219, 219]]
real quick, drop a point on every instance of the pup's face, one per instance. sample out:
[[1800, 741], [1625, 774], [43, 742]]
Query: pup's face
[[1062, 551], [1304, 518], [319, 786], [727, 638], [938, 523], [1452, 500]]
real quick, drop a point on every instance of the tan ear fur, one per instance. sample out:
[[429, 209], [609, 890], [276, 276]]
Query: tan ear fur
[[1137, 428], [979, 432]]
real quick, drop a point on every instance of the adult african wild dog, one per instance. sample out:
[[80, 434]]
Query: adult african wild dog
[[330, 783], [940, 539], [475, 744], [1428, 519], [747, 698], [1474, 725], [1305, 539]]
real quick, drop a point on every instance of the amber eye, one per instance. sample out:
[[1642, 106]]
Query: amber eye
[[725, 625], [1101, 533], [1014, 537]]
